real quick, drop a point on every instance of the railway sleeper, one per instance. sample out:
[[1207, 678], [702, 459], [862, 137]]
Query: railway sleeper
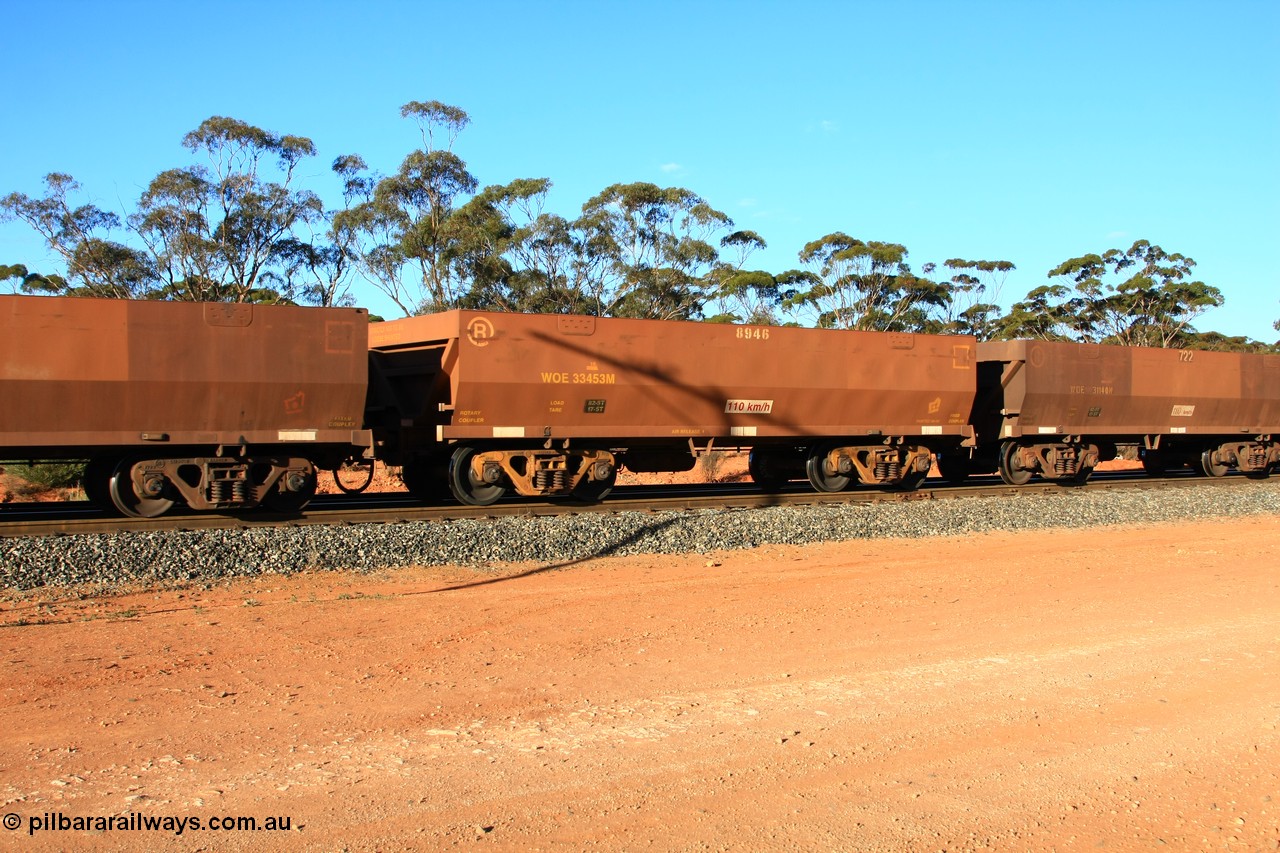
[[589, 474], [147, 488]]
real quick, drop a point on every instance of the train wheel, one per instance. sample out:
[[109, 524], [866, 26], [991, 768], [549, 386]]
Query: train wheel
[[353, 476], [1209, 467], [126, 498], [464, 485], [595, 491], [816, 467], [1011, 474], [97, 483], [763, 467], [292, 500]]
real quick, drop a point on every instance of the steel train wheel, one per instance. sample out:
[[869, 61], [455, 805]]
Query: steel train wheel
[[1209, 467], [97, 483], [353, 476], [815, 466], [762, 465], [595, 491], [465, 487], [126, 498], [1011, 475], [291, 501]]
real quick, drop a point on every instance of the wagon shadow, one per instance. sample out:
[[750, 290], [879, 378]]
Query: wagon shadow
[[606, 551]]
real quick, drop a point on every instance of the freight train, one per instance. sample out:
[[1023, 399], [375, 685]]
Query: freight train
[[228, 407]]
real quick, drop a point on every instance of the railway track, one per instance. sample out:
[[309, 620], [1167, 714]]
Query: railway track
[[81, 517]]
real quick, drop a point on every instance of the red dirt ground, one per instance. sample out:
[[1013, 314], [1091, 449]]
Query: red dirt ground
[[1057, 690]]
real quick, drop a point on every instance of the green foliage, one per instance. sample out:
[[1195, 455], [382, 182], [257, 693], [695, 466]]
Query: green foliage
[[425, 237], [96, 266], [48, 475], [648, 251], [1141, 296], [738, 295], [224, 231], [1218, 342], [866, 285], [31, 282], [974, 289]]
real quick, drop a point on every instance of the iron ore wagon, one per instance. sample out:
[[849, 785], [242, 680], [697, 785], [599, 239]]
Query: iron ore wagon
[[1057, 409], [486, 403], [219, 406]]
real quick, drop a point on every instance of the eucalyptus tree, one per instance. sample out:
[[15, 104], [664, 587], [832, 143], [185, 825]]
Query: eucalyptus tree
[[408, 225], [1049, 313], [975, 293], [645, 250], [320, 269], [738, 295], [1142, 296], [95, 264], [22, 280], [532, 260], [225, 229], [1218, 342], [867, 285]]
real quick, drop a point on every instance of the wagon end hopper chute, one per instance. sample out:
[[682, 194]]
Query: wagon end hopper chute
[[1056, 409], [218, 406], [553, 405]]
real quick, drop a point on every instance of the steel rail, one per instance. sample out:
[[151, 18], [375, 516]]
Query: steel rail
[[80, 517]]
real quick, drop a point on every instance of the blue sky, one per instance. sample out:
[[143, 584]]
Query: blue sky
[[1027, 131]]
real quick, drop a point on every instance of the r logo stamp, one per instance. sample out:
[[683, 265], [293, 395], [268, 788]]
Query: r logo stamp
[[480, 331]]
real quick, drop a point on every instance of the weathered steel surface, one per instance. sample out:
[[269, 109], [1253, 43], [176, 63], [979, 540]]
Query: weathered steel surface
[[1064, 388], [79, 374], [514, 376]]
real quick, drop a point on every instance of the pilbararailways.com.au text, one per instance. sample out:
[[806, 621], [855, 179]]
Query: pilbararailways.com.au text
[[134, 822]]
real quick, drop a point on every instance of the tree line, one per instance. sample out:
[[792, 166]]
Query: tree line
[[236, 225]]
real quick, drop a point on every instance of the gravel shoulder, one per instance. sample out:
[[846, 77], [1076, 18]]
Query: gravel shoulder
[[1063, 687]]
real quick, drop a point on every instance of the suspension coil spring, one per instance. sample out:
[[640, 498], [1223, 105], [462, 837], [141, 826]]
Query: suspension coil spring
[[1257, 457], [555, 480], [888, 470], [1064, 463]]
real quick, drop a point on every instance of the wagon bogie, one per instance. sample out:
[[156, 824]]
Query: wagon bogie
[[832, 467], [1070, 461], [1253, 458], [147, 488], [479, 476]]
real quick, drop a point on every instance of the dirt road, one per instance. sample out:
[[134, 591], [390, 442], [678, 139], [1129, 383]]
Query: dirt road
[[1069, 690]]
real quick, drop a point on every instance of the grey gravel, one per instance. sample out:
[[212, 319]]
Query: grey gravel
[[118, 560]]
